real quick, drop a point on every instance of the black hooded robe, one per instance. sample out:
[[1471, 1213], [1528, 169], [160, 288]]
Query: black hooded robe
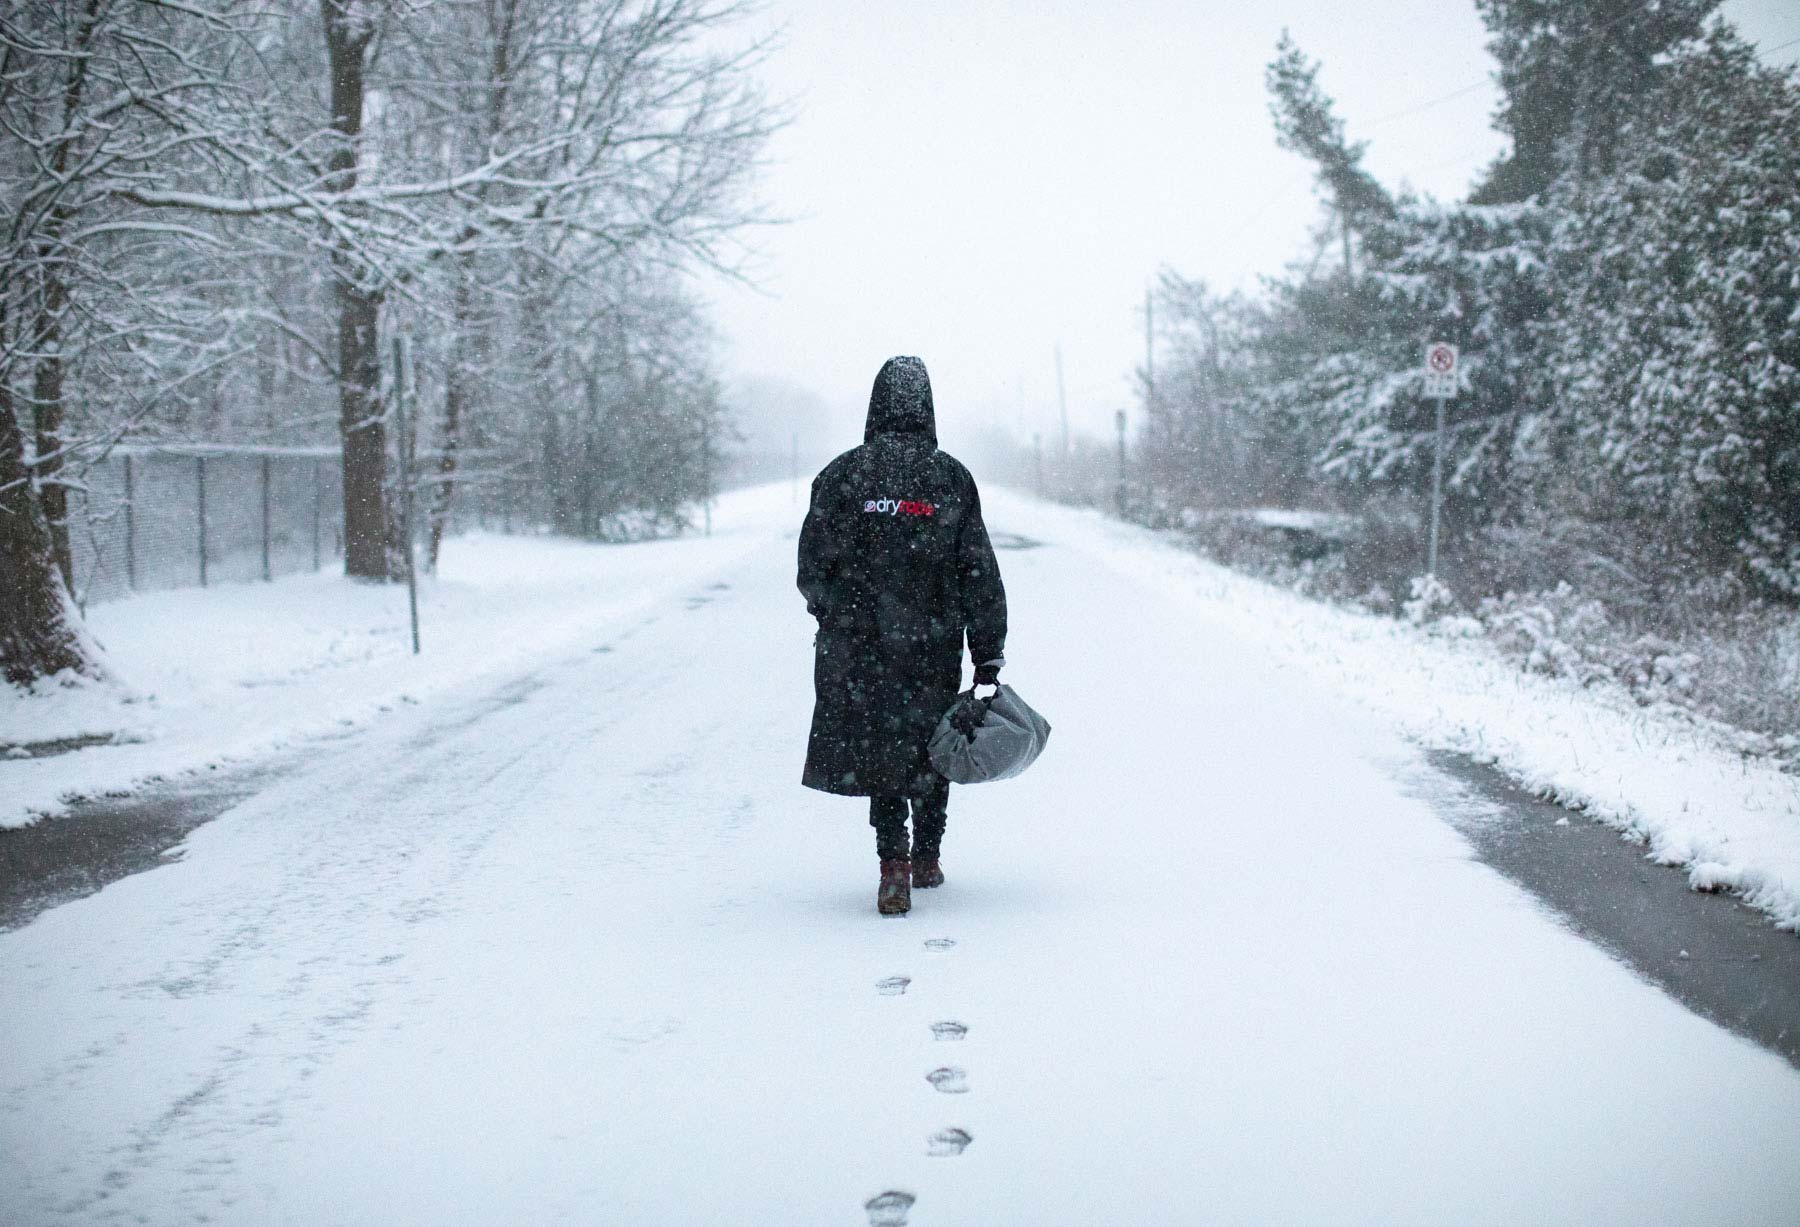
[[896, 565]]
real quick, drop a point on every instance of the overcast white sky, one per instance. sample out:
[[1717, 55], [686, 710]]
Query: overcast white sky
[[978, 182]]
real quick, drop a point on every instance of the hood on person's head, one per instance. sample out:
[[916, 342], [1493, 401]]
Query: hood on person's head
[[901, 401]]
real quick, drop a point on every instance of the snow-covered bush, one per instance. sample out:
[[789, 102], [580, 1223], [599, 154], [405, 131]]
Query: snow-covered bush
[[1431, 599], [1550, 632]]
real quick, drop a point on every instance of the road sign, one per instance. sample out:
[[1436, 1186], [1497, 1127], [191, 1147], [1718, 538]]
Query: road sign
[[1440, 385], [1440, 369]]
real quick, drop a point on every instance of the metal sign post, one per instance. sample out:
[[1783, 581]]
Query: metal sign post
[[1440, 385]]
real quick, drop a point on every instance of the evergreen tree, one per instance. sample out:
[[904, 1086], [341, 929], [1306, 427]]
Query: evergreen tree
[[1571, 72], [1676, 357], [1472, 276], [1306, 123]]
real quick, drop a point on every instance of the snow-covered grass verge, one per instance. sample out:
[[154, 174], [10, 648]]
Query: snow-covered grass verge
[[1549, 597], [233, 672], [1661, 774]]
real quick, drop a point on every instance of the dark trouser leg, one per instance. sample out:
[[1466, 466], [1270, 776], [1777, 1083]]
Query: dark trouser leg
[[930, 813], [888, 816]]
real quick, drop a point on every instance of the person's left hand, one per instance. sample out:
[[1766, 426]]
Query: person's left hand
[[966, 717], [987, 675]]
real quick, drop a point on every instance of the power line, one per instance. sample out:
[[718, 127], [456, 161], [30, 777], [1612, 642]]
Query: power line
[[1416, 107], [1253, 216]]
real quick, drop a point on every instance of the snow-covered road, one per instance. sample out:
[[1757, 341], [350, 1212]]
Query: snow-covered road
[[579, 949]]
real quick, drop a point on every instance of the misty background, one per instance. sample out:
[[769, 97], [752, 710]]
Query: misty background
[[982, 184], [290, 285]]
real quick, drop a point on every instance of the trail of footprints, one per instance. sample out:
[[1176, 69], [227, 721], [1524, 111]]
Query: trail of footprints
[[890, 1209]]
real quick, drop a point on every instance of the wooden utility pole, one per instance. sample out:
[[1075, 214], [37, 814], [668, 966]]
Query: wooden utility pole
[[1119, 422], [1062, 401], [706, 470], [1149, 350]]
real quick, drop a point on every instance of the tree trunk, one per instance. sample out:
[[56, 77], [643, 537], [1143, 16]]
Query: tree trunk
[[468, 333], [456, 396], [47, 421], [40, 632], [48, 378], [360, 422]]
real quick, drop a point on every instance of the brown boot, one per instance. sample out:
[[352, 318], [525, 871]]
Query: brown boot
[[926, 873], [895, 896]]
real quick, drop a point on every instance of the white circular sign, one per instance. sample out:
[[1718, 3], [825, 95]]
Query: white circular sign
[[1440, 358]]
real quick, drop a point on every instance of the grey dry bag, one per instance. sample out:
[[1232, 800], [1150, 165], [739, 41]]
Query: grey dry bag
[[994, 738]]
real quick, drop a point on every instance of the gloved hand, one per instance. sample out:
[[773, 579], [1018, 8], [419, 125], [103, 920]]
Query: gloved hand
[[966, 717], [987, 675]]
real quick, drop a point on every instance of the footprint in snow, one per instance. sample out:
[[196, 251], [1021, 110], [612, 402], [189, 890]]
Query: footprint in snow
[[939, 943], [947, 1143], [949, 1079], [889, 1209], [948, 1030], [893, 986]]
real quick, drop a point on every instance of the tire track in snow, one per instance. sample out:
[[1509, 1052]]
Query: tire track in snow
[[396, 816]]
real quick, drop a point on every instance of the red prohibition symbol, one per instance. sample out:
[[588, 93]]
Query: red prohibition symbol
[[1441, 359]]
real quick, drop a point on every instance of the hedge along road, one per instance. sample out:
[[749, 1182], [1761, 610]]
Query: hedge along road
[[594, 955]]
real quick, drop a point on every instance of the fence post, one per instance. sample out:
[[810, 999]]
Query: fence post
[[200, 489], [318, 509], [267, 573], [130, 526]]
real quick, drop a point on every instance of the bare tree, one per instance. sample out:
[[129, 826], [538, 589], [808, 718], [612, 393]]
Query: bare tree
[[199, 190], [96, 96]]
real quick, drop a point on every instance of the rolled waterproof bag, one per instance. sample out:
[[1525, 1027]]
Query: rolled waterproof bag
[[994, 738]]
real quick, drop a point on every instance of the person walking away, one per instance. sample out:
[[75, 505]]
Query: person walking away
[[896, 565]]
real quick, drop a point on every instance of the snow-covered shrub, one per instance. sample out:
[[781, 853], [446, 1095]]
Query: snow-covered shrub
[[1431, 599], [1557, 633], [1377, 599]]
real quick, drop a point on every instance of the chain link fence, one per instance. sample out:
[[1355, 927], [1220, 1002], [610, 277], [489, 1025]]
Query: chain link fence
[[178, 517]]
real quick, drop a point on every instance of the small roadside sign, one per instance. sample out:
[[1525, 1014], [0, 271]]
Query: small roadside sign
[[1440, 370], [1440, 386]]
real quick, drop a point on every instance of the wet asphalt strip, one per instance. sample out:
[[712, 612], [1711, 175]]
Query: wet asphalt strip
[[1721, 959], [100, 840]]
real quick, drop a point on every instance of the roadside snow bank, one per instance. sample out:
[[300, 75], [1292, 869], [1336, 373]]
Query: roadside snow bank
[[235, 671], [1656, 773]]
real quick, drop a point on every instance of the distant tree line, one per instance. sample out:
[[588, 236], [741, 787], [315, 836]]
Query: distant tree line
[[1624, 285], [218, 216]]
